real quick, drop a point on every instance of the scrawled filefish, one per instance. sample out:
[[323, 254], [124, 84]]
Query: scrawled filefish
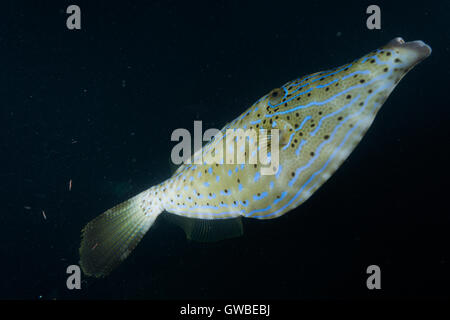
[[319, 119]]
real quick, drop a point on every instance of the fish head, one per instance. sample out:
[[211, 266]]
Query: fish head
[[387, 65]]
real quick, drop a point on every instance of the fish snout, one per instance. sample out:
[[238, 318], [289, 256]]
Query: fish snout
[[410, 52]]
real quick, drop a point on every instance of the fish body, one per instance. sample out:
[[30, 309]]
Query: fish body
[[319, 119]]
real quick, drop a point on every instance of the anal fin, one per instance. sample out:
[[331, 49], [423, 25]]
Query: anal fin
[[208, 230]]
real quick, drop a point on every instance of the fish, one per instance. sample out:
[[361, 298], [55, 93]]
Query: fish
[[314, 122]]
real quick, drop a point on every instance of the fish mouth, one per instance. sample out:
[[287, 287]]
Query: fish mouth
[[416, 51]]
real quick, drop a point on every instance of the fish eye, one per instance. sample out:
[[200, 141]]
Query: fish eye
[[275, 96]]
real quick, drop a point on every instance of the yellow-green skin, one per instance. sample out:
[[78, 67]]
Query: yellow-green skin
[[321, 118]]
